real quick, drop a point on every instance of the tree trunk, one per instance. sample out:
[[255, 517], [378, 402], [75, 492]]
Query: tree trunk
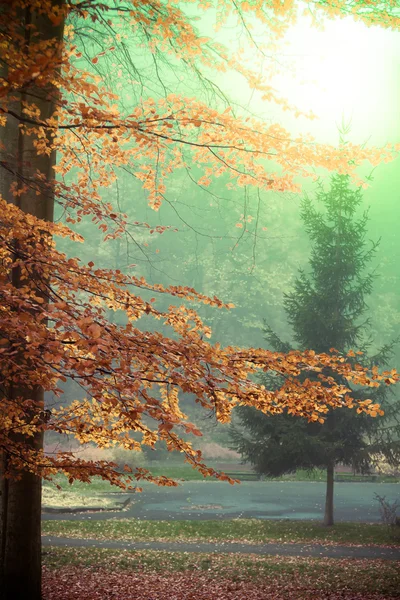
[[20, 499], [21, 538], [328, 517]]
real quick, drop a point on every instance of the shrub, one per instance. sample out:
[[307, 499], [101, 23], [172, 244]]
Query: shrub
[[389, 516]]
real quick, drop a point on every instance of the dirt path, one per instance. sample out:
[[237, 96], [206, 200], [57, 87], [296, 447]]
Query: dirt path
[[313, 550]]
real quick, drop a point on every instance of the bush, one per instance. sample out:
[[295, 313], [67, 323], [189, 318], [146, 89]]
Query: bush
[[132, 458], [389, 516]]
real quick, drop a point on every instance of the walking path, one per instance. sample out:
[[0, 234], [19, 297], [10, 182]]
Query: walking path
[[313, 550]]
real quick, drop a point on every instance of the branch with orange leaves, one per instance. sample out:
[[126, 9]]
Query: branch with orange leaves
[[55, 327]]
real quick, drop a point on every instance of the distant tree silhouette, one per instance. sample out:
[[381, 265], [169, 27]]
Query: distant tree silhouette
[[327, 309]]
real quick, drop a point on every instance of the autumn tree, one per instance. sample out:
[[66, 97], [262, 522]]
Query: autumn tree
[[327, 309], [65, 136]]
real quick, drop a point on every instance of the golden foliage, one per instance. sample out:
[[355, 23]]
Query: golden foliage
[[53, 323]]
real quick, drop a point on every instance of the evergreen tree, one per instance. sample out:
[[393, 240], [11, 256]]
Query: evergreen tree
[[326, 309]]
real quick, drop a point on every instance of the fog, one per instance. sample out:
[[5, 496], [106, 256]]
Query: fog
[[248, 247]]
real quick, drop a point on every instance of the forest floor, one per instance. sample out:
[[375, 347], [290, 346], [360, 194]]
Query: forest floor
[[116, 558], [244, 531], [231, 559], [112, 574], [226, 547]]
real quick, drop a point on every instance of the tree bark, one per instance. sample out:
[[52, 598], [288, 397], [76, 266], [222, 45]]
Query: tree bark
[[20, 493], [21, 538], [328, 516]]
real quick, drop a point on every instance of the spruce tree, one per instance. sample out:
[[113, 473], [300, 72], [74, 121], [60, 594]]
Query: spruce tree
[[327, 310]]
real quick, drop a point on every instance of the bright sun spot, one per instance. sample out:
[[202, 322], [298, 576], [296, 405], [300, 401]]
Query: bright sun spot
[[347, 71]]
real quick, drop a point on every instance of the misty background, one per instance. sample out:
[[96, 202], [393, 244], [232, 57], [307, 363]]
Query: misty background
[[245, 246]]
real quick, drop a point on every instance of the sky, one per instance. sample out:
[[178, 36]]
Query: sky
[[346, 73], [350, 71]]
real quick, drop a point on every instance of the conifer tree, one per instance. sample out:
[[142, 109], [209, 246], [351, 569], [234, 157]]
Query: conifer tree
[[89, 90], [327, 310]]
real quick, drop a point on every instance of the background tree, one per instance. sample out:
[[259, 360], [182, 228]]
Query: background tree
[[58, 101], [326, 310]]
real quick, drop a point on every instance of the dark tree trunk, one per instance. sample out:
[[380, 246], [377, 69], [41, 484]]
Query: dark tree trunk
[[328, 516], [20, 497], [21, 543]]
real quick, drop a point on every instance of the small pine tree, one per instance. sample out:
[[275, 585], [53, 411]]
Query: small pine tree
[[326, 309]]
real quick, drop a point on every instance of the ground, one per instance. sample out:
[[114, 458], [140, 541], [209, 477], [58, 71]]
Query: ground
[[99, 574], [102, 556], [193, 500]]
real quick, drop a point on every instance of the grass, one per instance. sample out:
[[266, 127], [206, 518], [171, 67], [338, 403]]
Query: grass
[[97, 486], [320, 475], [358, 576], [54, 498], [78, 494], [242, 530], [186, 473]]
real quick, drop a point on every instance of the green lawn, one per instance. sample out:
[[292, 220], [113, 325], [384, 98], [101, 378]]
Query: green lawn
[[96, 486], [62, 499], [330, 575], [185, 472], [243, 530]]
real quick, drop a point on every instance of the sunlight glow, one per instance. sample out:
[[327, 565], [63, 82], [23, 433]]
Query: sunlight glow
[[347, 70]]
